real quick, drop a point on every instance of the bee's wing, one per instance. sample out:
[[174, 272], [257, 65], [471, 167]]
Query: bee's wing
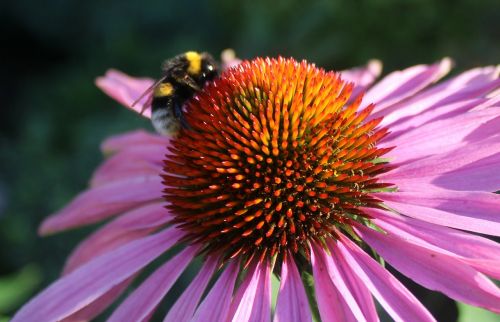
[[147, 92], [148, 103]]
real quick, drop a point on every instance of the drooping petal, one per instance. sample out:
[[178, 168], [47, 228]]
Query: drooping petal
[[215, 306], [132, 139], [326, 273], [356, 286], [184, 307], [132, 162], [252, 301], [142, 302], [434, 269], [292, 304], [481, 253], [402, 84], [468, 210], [125, 89], [104, 201], [95, 308], [392, 295], [331, 304], [73, 292], [130, 226]]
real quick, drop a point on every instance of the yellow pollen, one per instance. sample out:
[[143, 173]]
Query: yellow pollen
[[164, 89]]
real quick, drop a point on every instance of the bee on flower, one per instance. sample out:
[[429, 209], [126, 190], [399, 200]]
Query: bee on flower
[[289, 170]]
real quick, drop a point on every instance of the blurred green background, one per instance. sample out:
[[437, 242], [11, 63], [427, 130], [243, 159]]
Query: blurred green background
[[53, 117]]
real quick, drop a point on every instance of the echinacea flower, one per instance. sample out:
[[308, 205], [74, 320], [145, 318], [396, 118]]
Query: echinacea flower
[[290, 170]]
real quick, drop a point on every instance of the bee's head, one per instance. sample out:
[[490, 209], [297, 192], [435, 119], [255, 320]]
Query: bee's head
[[209, 68], [200, 67]]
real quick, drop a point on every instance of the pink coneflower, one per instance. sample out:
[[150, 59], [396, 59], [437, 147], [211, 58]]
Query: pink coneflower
[[289, 170]]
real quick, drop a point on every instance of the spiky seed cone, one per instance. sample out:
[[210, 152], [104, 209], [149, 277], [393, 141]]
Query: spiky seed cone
[[273, 158]]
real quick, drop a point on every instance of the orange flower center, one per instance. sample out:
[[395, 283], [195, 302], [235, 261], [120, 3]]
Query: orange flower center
[[274, 158]]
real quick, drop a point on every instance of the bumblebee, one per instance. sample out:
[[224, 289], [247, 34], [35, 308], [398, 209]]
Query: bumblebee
[[182, 76]]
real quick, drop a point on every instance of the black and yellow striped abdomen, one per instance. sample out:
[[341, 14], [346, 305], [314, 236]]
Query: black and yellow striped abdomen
[[183, 76]]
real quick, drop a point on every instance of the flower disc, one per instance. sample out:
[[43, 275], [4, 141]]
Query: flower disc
[[274, 157]]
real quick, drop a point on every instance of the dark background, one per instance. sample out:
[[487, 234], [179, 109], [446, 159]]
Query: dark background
[[53, 117]]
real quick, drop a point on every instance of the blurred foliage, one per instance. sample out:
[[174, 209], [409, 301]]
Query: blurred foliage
[[53, 118], [15, 288], [469, 313]]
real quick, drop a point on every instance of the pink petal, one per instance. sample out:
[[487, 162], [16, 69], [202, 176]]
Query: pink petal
[[132, 139], [252, 302], [75, 291], [104, 201], [461, 88], [329, 281], [292, 304], [125, 89], [401, 84], [330, 302], [363, 76], [480, 175], [229, 59], [493, 101], [434, 269], [215, 306], [444, 136], [184, 308], [414, 123], [132, 162], [100, 304], [470, 167], [481, 253], [468, 210], [142, 302], [392, 295], [132, 225], [356, 286]]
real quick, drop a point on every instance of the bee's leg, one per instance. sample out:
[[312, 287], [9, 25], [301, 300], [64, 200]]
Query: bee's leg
[[189, 81], [184, 123], [180, 116]]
